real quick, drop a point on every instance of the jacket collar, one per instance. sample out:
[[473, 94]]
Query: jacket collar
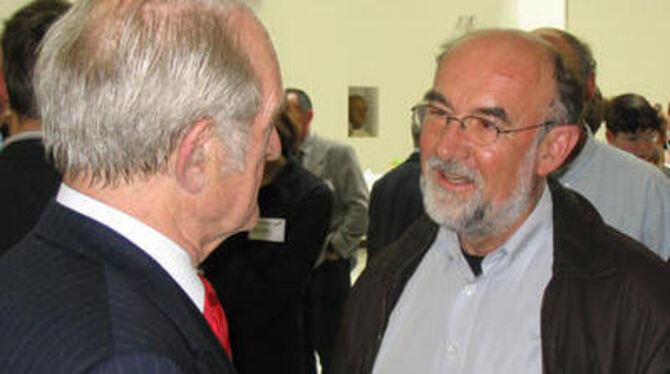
[[577, 231], [415, 156], [88, 238]]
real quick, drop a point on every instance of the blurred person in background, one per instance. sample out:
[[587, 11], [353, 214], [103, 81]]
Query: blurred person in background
[[635, 126], [29, 178], [262, 275]]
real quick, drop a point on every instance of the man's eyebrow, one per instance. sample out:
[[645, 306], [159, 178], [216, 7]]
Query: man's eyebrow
[[496, 112], [433, 95]]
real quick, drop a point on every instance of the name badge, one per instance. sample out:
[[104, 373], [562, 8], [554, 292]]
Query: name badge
[[269, 230]]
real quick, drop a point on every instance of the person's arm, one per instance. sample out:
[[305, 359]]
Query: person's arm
[[352, 191]]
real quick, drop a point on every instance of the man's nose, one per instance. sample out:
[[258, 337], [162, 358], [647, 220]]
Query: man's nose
[[452, 142]]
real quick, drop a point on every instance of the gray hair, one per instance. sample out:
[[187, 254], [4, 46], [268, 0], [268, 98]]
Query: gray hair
[[119, 82]]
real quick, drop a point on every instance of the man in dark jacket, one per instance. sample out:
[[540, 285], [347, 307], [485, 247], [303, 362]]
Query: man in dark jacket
[[511, 273], [29, 180], [262, 275], [395, 200], [159, 115]]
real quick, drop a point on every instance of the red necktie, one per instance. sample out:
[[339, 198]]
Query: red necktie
[[215, 316]]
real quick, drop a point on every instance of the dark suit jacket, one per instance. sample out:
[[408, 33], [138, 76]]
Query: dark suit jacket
[[27, 182], [395, 202], [75, 297]]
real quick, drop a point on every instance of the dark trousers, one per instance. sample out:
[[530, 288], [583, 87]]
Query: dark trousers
[[324, 303]]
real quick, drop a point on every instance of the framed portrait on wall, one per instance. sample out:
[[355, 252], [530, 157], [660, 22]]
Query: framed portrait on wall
[[363, 105]]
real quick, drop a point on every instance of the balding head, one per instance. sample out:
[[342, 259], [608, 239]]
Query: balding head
[[521, 55], [150, 69], [576, 54]]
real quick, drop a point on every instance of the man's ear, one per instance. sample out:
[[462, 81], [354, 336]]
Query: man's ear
[[556, 147], [308, 117], [192, 156]]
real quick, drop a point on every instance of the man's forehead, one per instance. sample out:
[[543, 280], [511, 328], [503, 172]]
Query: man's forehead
[[495, 72]]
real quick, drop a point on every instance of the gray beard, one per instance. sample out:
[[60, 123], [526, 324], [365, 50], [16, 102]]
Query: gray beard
[[474, 216]]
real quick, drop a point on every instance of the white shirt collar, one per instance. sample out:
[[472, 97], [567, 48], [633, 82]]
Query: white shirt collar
[[24, 135], [170, 256]]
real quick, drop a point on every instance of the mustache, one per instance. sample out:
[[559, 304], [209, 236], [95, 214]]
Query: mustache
[[454, 168]]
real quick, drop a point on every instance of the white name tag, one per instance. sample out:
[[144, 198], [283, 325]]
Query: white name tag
[[269, 230]]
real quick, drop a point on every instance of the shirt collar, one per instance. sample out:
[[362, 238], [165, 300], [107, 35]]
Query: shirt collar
[[536, 224], [24, 135], [170, 256]]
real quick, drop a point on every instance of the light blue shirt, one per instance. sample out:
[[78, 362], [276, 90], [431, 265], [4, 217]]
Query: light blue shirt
[[630, 194], [170, 256], [449, 321]]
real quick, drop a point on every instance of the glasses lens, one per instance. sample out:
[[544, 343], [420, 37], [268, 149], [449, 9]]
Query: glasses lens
[[479, 130]]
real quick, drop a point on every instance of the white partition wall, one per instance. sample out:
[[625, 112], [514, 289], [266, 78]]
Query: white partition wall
[[629, 39], [327, 46]]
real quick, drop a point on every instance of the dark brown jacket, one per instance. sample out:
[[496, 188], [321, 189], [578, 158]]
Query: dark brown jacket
[[606, 308]]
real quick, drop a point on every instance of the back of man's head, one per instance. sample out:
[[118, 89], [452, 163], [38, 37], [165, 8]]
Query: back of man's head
[[299, 110], [119, 82], [578, 57], [303, 99], [21, 37], [576, 53]]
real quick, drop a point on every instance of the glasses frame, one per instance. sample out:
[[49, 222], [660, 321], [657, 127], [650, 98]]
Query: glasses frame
[[462, 126], [649, 136]]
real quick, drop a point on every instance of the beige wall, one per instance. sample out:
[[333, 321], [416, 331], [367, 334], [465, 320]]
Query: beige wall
[[325, 46], [7, 7], [629, 41]]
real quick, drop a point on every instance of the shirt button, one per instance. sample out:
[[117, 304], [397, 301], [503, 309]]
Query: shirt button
[[470, 290], [452, 351]]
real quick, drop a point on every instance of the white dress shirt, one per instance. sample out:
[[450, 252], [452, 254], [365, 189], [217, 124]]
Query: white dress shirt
[[170, 256], [449, 321]]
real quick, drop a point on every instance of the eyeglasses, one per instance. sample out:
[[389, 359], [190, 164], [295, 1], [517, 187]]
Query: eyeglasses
[[649, 136], [478, 130]]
